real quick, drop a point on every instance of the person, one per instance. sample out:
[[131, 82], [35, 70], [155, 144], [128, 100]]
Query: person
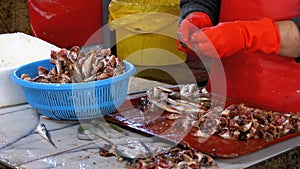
[[256, 43]]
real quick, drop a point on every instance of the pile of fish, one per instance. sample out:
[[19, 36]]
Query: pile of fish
[[187, 100], [175, 157], [241, 122], [196, 109], [74, 66]]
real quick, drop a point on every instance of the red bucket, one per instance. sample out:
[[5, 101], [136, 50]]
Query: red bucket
[[67, 23]]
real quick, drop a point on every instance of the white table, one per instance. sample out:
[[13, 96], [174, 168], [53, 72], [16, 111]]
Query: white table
[[21, 147]]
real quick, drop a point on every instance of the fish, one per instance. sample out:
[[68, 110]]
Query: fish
[[43, 132]]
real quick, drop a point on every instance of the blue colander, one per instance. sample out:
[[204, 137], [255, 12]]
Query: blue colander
[[74, 101]]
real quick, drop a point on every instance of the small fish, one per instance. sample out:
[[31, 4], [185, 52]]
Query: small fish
[[43, 132]]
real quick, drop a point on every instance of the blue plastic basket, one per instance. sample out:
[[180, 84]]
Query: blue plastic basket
[[73, 101]]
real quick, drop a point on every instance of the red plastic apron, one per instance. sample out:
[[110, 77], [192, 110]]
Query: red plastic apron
[[269, 80]]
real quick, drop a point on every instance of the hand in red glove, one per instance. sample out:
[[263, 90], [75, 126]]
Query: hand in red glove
[[192, 23], [228, 38]]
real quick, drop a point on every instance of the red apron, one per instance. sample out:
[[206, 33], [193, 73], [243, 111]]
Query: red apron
[[269, 80]]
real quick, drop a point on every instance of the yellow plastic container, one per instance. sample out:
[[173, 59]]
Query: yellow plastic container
[[146, 31]]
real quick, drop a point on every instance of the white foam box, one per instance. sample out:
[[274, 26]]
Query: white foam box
[[17, 49]]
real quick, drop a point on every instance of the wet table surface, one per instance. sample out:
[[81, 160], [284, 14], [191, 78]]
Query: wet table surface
[[21, 147]]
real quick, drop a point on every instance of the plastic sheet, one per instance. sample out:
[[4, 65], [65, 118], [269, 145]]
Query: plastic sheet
[[144, 14], [66, 23], [150, 25]]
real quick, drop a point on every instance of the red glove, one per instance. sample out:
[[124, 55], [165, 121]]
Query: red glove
[[192, 23], [228, 38]]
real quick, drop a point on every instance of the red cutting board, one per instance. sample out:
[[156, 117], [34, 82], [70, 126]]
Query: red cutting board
[[157, 125]]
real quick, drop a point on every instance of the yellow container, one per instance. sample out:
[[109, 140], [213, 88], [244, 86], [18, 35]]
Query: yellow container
[[146, 31]]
